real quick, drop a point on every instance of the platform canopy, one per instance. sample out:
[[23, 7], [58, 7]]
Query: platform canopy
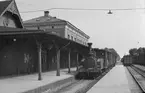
[[45, 38]]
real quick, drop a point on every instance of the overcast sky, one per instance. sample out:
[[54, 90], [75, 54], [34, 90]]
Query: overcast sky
[[122, 30]]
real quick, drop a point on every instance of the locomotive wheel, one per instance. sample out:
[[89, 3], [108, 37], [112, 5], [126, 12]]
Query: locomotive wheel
[[80, 75]]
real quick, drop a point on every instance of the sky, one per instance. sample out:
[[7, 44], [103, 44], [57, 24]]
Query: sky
[[122, 30]]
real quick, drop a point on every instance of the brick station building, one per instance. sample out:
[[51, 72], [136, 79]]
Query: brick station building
[[25, 51]]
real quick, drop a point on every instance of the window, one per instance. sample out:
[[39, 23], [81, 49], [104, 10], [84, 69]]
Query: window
[[68, 36], [38, 27], [71, 37], [75, 39]]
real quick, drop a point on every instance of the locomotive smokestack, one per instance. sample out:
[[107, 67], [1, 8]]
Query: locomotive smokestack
[[90, 47]]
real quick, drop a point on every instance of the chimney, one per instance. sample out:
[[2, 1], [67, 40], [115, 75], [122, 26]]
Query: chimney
[[46, 13]]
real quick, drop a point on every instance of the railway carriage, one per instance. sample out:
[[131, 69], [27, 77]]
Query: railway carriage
[[127, 60]]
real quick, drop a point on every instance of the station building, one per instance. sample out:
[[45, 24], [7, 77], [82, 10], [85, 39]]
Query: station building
[[26, 51], [64, 28]]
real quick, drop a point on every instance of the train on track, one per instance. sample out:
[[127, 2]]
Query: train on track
[[127, 60], [97, 61]]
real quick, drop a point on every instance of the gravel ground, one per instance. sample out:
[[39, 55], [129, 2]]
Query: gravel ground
[[78, 86]]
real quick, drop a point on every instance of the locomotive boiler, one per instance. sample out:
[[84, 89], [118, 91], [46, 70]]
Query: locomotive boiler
[[90, 66]]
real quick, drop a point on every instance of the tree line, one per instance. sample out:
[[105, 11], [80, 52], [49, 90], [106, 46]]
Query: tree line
[[138, 55]]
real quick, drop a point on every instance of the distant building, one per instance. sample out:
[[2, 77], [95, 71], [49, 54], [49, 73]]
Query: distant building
[[57, 26]]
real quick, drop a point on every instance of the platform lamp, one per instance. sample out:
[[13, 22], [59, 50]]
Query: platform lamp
[[110, 12], [50, 46]]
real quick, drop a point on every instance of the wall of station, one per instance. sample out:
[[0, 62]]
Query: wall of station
[[75, 36], [17, 56], [54, 29]]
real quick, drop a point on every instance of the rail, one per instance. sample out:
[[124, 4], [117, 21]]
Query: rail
[[79, 86], [138, 77]]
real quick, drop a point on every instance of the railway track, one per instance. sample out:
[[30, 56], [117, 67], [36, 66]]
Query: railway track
[[78, 86], [139, 77], [141, 70]]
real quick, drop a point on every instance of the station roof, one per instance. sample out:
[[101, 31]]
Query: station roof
[[4, 5], [47, 19], [42, 19]]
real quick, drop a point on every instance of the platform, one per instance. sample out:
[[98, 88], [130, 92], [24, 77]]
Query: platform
[[117, 80], [22, 84]]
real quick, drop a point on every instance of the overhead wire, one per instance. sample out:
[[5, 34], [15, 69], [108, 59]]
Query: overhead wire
[[85, 9]]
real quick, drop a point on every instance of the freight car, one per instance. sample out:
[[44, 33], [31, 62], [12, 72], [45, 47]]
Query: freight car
[[127, 60], [101, 58], [100, 65]]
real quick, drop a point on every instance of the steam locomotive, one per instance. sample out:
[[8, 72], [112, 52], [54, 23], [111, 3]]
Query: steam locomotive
[[97, 61], [90, 67]]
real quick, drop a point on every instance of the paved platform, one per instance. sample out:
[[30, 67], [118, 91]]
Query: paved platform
[[21, 84], [115, 81]]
